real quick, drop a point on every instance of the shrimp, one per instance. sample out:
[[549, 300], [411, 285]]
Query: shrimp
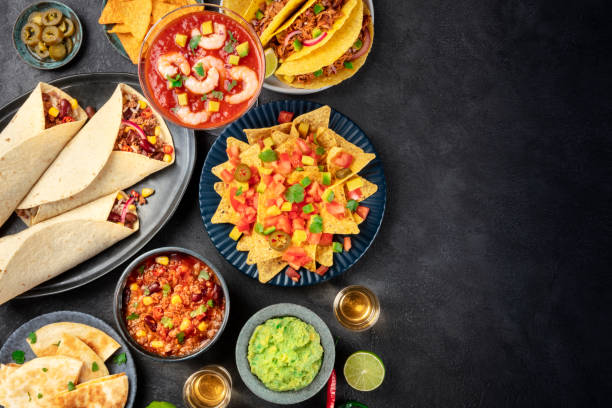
[[249, 84], [167, 64], [192, 118], [215, 40], [214, 68]]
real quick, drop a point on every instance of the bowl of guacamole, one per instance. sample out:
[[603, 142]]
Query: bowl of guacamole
[[285, 353]]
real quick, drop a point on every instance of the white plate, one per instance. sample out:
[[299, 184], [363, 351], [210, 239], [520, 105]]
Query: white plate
[[273, 84]]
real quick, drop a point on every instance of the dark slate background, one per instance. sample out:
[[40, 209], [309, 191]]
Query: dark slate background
[[493, 121]]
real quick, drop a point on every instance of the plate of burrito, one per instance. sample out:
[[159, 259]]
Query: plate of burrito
[[93, 173]]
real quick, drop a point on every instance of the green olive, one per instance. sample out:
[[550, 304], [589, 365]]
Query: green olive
[[41, 50], [30, 34], [68, 43], [57, 52], [52, 35], [35, 17], [52, 17], [68, 27]]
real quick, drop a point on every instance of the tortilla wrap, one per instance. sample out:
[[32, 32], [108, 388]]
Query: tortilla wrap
[[48, 336], [71, 346], [345, 11], [45, 250], [23, 385], [89, 168], [106, 392], [277, 20], [27, 148], [337, 46]]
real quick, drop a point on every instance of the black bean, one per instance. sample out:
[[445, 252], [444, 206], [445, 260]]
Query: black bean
[[196, 297], [64, 108], [130, 218], [90, 110], [150, 322], [154, 287]]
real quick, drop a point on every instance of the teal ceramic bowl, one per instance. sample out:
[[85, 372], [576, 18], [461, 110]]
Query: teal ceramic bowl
[[28, 56]]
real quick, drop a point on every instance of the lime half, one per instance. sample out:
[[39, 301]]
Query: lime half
[[364, 371], [271, 61]]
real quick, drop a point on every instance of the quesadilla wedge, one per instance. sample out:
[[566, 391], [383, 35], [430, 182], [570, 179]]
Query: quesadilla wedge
[[105, 392], [124, 142], [40, 129], [93, 367], [267, 15], [45, 250]]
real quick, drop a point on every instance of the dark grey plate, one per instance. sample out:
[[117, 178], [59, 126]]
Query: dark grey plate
[[254, 384], [169, 184], [17, 341]]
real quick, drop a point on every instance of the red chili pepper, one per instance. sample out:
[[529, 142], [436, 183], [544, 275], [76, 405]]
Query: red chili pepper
[[331, 390]]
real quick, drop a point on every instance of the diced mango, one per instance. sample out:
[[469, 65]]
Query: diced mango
[[272, 211], [152, 139], [167, 158], [299, 236], [74, 104], [268, 142], [142, 104], [157, 344], [235, 233], [157, 130], [206, 28], [303, 129], [176, 300], [180, 40], [147, 300], [141, 333], [307, 161], [243, 49], [53, 111], [354, 183], [286, 206], [243, 185], [234, 59], [202, 326], [213, 106], [134, 286], [182, 99], [162, 260], [264, 170], [146, 192]]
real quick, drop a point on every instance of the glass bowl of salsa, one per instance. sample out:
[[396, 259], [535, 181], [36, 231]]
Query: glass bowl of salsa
[[171, 304], [202, 66]]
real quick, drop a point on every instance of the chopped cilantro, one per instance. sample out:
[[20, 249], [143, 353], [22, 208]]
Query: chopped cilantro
[[195, 40], [120, 359], [133, 316], [320, 151], [210, 303], [32, 337], [230, 46], [316, 224], [231, 85], [217, 94], [71, 386], [295, 194], [175, 82], [167, 322], [199, 69], [204, 97], [180, 336], [18, 356], [239, 191], [94, 367]]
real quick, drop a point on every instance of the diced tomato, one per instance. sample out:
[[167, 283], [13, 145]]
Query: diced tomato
[[296, 159], [294, 266], [266, 178], [270, 202], [293, 274], [279, 201], [298, 224], [168, 149], [322, 270], [355, 194], [335, 208], [235, 201], [158, 312], [309, 199], [283, 165], [284, 117], [270, 221], [303, 146], [293, 215], [343, 160], [249, 193], [314, 239], [296, 256], [243, 225], [282, 223], [310, 138], [277, 189], [347, 243], [315, 190], [227, 176], [233, 152], [326, 239], [261, 144], [254, 176], [362, 211], [279, 178]]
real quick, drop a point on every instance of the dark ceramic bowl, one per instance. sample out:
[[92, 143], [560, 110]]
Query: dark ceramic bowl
[[28, 56], [118, 303], [284, 310]]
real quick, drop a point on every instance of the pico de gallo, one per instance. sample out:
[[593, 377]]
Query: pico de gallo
[[124, 211], [203, 70], [59, 110], [173, 304]]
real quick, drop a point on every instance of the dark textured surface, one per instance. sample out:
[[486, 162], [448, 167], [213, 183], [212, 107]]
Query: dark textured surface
[[493, 262]]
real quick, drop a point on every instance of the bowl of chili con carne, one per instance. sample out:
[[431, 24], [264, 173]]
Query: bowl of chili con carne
[[171, 304]]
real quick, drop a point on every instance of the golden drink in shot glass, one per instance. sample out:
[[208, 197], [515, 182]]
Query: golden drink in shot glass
[[356, 307], [209, 387]]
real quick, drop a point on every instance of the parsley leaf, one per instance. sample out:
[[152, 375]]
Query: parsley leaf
[[193, 43], [199, 69], [94, 367], [230, 45], [120, 359], [295, 194], [71, 386], [175, 82], [316, 224], [32, 337], [180, 336], [18, 356], [167, 322], [133, 316], [231, 85]]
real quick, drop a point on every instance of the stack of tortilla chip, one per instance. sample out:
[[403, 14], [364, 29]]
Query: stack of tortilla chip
[[69, 371], [284, 139], [133, 18]]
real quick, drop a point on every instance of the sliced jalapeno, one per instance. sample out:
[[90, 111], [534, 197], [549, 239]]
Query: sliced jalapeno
[[30, 34], [57, 52], [279, 240], [52, 35], [52, 17]]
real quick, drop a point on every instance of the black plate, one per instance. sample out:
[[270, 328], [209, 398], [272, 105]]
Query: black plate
[[169, 184]]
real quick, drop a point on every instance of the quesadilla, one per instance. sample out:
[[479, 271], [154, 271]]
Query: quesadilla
[[93, 367], [105, 392]]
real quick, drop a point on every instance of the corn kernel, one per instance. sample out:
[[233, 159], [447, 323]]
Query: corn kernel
[[213, 106], [264, 170], [141, 333], [157, 130], [268, 142], [146, 192], [157, 344], [235, 234], [182, 99], [234, 59], [286, 206], [176, 300], [272, 211], [162, 260], [202, 326], [142, 104], [303, 129], [152, 139], [132, 207], [134, 286], [147, 300], [180, 40], [53, 111], [185, 324], [354, 183], [243, 185], [74, 104], [119, 196], [299, 236], [207, 28], [307, 161], [167, 158]]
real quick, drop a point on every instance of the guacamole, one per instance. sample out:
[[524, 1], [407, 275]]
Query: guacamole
[[285, 353]]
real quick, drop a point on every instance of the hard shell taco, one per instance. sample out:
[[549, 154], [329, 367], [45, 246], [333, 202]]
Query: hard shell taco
[[267, 15], [40, 129], [311, 28], [340, 59], [124, 142]]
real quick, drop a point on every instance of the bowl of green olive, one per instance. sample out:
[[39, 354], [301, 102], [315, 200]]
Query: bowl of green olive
[[47, 35]]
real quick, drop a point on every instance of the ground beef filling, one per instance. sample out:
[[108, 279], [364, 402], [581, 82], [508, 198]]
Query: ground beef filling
[[338, 65], [269, 10], [58, 110], [306, 23], [117, 210], [128, 139]]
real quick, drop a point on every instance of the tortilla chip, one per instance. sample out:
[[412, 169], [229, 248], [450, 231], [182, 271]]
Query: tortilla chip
[[311, 250], [225, 213], [367, 189], [260, 250], [239, 6], [219, 187], [312, 173], [254, 135], [360, 160], [251, 156], [288, 145], [326, 139], [161, 8], [113, 12], [269, 269], [279, 137], [325, 255], [231, 141], [71, 346], [121, 28], [131, 46], [316, 118], [334, 225]]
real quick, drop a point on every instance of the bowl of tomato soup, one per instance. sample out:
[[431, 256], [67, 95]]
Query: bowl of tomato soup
[[202, 66], [171, 304]]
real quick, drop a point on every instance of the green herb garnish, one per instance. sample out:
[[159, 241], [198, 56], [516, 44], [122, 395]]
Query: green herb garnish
[[133, 316], [180, 336], [94, 367], [259, 14], [352, 205], [175, 82], [210, 303], [45, 369], [316, 224], [231, 85], [199, 69], [230, 45], [39, 396], [268, 155], [318, 73], [18, 356], [320, 151], [141, 270], [120, 359], [217, 94], [193, 43], [308, 208], [71, 386], [348, 64], [358, 44], [239, 191], [295, 194], [297, 45], [305, 182], [318, 8], [204, 275], [167, 322], [32, 337]]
